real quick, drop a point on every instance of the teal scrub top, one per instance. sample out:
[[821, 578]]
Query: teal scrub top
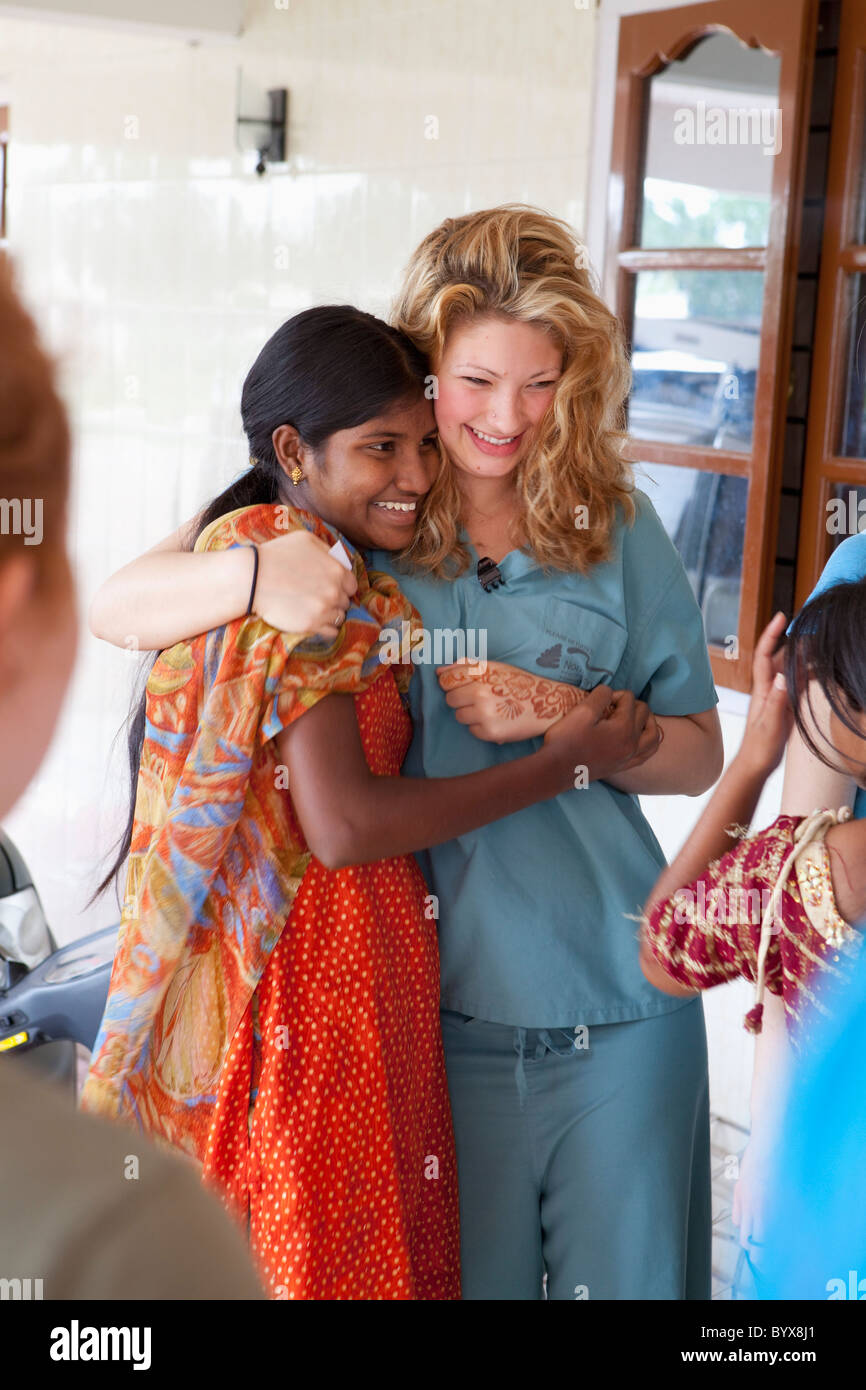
[[846, 565], [536, 911]]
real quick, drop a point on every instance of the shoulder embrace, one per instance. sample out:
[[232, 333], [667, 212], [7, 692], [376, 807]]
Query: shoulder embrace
[[257, 524]]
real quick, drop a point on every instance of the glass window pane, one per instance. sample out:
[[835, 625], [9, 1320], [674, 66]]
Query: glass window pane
[[713, 126], [853, 443], [705, 516], [695, 347], [846, 512]]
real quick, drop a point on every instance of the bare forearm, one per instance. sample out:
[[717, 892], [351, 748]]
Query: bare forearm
[[166, 596], [771, 1071], [351, 816], [401, 815], [733, 803], [687, 763]]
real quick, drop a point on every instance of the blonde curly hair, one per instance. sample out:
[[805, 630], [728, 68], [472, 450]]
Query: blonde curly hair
[[518, 262]]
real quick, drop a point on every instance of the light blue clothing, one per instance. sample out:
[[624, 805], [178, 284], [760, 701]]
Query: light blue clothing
[[845, 565], [815, 1237], [590, 1162], [536, 911]]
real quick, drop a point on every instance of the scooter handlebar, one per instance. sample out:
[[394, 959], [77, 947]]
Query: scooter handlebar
[[63, 997]]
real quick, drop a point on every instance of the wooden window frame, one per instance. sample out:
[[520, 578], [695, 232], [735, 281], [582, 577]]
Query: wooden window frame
[[649, 42], [841, 256]]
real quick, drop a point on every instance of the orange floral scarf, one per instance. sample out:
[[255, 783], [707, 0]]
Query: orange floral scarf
[[217, 854]]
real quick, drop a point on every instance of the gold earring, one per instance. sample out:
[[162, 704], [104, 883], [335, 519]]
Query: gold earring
[[296, 474]]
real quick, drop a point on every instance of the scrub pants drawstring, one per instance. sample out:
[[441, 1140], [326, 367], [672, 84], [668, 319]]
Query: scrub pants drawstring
[[562, 1041]]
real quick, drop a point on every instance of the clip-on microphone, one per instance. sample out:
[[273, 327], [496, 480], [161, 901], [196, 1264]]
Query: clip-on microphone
[[489, 574]]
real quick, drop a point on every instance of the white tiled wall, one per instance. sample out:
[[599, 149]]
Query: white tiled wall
[[158, 263]]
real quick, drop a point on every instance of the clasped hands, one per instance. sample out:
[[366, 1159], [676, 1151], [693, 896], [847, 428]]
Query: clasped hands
[[504, 704]]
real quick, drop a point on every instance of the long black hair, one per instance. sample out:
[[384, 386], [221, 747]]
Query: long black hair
[[327, 369], [827, 644]]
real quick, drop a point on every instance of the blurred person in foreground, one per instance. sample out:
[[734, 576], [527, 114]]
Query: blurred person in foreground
[[90, 1211], [815, 1236]]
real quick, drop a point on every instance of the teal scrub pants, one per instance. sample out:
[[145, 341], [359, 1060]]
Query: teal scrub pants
[[589, 1163]]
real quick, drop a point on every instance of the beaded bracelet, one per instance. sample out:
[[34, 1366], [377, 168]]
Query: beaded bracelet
[[255, 551]]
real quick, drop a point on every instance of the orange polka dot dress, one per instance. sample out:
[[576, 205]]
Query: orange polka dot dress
[[276, 1021], [348, 1169]]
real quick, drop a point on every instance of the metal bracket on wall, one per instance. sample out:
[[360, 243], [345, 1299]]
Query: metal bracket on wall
[[272, 149]]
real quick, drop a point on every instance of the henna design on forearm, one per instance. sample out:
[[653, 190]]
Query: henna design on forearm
[[552, 699], [520, 692], [548, 699]]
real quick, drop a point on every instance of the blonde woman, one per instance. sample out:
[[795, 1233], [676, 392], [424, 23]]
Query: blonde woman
[[578, 1159]]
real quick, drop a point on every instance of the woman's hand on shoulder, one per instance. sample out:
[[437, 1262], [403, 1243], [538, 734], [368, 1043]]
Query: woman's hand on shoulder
[[301, 587]]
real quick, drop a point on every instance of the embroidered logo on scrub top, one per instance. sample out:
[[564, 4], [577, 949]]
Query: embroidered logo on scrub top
[[584, 647], [551, 657]]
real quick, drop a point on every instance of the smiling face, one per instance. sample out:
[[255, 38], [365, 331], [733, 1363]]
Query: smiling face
[[368, 481], [496, 380]]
